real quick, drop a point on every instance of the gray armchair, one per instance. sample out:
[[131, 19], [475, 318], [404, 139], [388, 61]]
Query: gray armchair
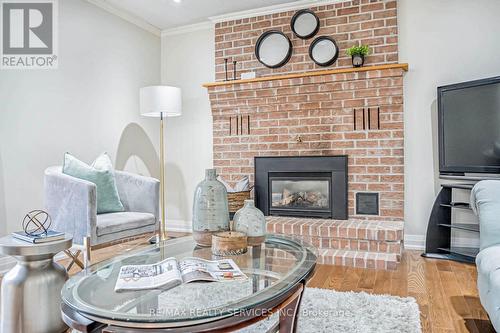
[[71, 202]]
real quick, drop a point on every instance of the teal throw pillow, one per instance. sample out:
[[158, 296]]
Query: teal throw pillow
[[101, 174]]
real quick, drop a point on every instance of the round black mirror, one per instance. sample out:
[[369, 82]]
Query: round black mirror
[[305, 24], [273, 49], [324, 51]]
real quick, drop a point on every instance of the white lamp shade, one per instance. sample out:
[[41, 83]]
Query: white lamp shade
[[158, 100]]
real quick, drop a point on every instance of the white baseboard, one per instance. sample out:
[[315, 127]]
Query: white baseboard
[[417, 242], [414, 242]]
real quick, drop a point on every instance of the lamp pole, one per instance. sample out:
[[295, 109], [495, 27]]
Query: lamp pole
[[163, 224]]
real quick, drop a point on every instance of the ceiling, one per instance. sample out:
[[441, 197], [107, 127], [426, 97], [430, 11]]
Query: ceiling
[[167, 14]]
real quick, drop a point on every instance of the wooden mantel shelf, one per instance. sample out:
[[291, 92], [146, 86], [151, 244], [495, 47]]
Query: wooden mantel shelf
[[308, 74]]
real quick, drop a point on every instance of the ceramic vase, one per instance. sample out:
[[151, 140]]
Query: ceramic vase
[[210, 209], [252, 222]]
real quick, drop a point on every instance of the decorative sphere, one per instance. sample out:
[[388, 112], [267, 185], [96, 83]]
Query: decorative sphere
[[36, 222]]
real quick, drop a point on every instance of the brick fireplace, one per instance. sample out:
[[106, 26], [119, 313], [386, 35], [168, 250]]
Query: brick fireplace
[[301, 109]]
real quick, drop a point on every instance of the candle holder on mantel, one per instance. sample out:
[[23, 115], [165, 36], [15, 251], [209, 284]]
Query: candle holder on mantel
[[225, 68]]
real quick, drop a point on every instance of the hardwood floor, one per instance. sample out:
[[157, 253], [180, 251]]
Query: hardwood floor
[[445, 290]]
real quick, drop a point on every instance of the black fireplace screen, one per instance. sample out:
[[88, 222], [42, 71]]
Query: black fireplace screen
[[308, 186]]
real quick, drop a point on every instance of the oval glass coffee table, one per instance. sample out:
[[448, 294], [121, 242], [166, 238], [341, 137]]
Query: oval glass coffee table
[[277, 272]]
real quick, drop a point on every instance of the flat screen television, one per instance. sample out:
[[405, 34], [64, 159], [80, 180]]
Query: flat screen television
[[469, 127]]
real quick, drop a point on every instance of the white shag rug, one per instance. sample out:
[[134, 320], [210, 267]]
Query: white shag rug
[[321, 310], [324, 310]]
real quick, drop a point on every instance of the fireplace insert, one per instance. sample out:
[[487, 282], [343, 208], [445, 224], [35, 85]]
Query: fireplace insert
[[306, 186]]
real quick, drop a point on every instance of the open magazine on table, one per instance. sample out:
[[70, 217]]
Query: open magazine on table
[[171, 272]]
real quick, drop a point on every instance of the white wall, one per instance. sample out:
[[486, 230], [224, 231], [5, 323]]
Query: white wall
[[187, 62], [86, 106], [444, 42]]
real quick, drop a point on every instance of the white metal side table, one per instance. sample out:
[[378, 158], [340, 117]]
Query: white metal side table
[[31, 291]]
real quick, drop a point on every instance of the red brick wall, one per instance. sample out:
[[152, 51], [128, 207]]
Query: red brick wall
[[319, 108], [349, 23]]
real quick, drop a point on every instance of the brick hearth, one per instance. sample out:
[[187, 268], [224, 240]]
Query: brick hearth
[[313, 115], [357, 243]]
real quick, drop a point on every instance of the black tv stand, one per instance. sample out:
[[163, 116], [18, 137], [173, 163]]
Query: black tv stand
[[438, 240]]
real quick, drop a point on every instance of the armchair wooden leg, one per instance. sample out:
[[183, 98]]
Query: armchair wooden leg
[[87, 256], [74, 259]]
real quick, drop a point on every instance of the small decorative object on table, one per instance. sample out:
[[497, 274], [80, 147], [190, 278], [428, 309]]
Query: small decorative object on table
[[229, 243], [358, 53], [36, 222], [251, 221], [210, 209], [36, 230]]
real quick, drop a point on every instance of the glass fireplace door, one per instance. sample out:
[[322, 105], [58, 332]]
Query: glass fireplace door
[[296, 194]]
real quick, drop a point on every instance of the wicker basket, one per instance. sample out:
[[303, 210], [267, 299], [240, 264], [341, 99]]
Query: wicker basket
[[236, 200]]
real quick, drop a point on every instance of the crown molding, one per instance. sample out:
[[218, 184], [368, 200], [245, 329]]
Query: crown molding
[[127, 16], [187, 28], [299, 4]]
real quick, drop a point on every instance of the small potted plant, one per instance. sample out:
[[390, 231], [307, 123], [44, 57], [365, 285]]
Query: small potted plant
[[358, 53]]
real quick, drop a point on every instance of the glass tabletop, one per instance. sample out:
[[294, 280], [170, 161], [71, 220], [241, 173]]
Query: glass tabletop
[[273, 269]]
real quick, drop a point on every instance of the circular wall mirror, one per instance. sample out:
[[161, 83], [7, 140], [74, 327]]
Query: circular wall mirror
[[305, 24], [324, 51], [273, 49]]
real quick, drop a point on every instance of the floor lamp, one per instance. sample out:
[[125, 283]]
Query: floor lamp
[[161, 102]]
